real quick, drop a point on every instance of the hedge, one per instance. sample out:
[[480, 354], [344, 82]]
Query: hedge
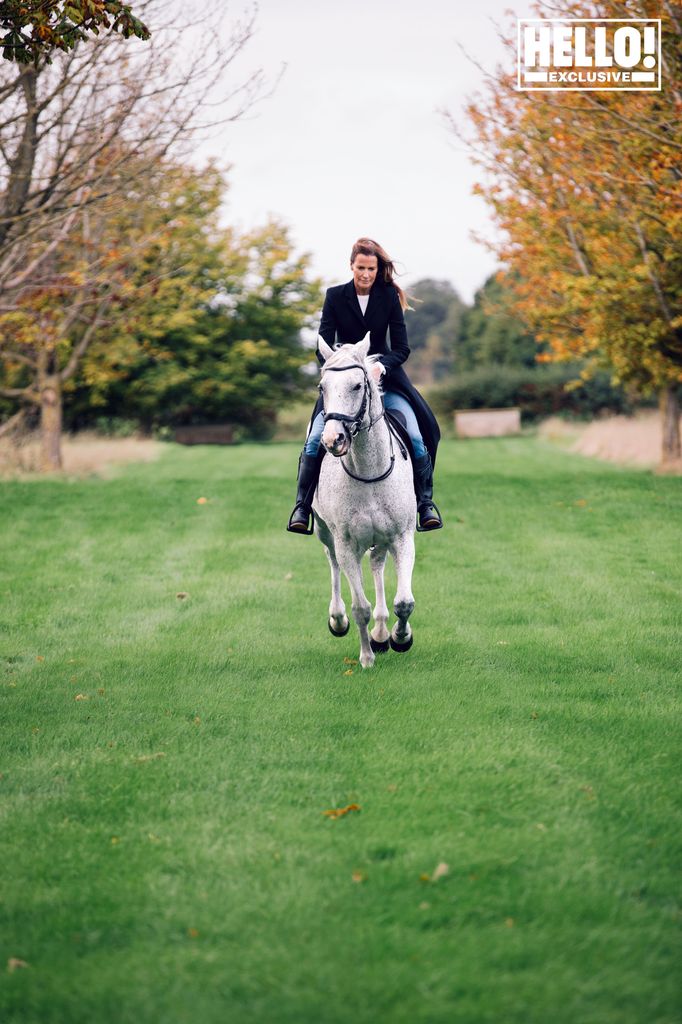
[[539, 391]]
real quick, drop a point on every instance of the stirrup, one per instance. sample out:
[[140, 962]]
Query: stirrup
[[438, 523], [299, 528]]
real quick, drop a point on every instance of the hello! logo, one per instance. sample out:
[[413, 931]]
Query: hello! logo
[[599, 54]]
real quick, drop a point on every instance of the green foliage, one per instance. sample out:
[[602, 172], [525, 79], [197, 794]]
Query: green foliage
[[433, 324], [447, 336], [114, 426], [165, 856], [538, 392], [32, 29], [212, 329], [490, 335]]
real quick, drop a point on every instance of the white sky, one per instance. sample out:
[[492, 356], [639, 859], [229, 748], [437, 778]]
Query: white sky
[[352, 143]]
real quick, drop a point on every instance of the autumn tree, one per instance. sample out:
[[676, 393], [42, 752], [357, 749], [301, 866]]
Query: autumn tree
[[212, 330], [75, 135], [586, 188], [32, 29]]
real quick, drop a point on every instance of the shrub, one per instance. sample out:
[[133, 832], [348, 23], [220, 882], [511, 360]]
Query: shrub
[[538, 391]]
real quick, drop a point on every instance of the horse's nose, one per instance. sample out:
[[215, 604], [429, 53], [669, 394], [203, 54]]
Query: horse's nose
[[338, 442]]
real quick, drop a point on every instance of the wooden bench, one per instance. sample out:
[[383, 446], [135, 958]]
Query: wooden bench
[[209, 433]]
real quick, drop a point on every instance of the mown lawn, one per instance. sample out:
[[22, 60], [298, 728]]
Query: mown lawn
[[166, 761]]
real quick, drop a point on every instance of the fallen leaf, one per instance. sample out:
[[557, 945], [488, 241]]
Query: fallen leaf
[[509, 922], [202, 501], [115, 840], [288, 576], [149, 757], [533, 714], [100, 691], [181, 595], [338, 812], [424, 877], [359, 876], [81, 696], [193, 933], [580, 503], [14, 963], [392, 788], [424, 905], [350, 661], [541, 827], [440, 871], [348, 672], [197, 720], [39, 657]]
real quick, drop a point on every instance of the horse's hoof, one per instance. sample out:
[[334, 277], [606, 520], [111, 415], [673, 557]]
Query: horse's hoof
[[333, 631], [379, 646], [403, 646]]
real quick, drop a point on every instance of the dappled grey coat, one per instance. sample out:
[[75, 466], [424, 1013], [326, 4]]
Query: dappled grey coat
[[342, 323]]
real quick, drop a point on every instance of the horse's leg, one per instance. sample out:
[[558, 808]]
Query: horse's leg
[[379, 634], [351, 563], [403, 606], [338, 620]]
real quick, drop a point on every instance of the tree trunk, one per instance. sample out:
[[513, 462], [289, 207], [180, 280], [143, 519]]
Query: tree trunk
[[671, 450], [51, 422]]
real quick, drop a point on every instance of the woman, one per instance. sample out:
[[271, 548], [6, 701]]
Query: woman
[[373, 302]]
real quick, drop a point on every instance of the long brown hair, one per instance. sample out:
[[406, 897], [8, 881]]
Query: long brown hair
[[386, 267]]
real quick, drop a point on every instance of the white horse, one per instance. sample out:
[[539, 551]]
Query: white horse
[[365, 499]]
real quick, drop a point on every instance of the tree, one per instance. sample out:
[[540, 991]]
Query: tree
[[32, 29], [85, 132], [587, 192], [433, 324], [490, 334], [213, 332]]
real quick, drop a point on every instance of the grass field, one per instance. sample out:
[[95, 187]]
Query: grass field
[[166, 761]]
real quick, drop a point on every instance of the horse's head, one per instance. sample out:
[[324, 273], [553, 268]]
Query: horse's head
[[349, 392]]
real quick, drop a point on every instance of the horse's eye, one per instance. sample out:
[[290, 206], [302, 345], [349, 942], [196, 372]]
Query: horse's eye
[[357, 387]]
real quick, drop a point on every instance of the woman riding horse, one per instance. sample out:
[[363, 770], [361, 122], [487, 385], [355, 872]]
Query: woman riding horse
[[373, 302]]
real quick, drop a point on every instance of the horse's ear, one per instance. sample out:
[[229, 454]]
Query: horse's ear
[[362, 347], [323, 348]]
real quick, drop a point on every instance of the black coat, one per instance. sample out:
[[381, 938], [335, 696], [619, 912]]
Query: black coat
[[344, 324]]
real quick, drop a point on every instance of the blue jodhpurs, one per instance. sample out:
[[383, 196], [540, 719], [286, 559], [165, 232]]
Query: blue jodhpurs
[[392, 400]]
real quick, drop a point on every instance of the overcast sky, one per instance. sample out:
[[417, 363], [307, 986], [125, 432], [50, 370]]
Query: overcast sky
[[351, 143]]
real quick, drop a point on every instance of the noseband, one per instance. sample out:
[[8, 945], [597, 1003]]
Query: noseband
[[352, 424]]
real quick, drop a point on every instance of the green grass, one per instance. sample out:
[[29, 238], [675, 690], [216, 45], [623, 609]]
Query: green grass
[[164, 852]]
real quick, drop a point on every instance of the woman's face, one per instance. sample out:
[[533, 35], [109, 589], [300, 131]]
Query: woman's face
[[364, 272]]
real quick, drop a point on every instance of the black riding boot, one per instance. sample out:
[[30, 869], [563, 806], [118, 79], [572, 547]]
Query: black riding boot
[[429, 516], [308, 474]]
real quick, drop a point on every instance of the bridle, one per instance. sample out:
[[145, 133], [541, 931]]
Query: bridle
[[353, 424]]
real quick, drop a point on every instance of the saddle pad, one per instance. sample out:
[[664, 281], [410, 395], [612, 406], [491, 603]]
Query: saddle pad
[[398, 421]]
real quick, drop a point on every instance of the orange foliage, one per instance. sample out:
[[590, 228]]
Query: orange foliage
[[587, 191]]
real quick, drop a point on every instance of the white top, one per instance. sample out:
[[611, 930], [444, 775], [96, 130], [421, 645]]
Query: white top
[[363, 300]]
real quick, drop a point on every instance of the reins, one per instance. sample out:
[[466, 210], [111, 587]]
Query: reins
[[352, 425]]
